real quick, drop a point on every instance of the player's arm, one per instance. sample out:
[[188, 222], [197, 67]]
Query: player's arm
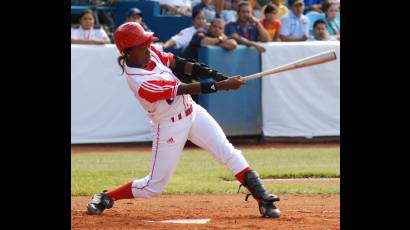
[[192, 68], [210, 87]]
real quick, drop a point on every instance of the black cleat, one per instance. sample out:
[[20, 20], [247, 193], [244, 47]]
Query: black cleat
[[267, 208], [98, 203]]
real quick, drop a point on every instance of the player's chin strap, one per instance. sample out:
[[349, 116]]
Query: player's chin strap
[[199, 70]]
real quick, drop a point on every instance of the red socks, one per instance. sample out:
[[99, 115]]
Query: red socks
[[122, 192], [241, 174]]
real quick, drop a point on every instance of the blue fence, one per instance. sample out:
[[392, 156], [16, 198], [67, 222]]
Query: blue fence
[[239, 111]]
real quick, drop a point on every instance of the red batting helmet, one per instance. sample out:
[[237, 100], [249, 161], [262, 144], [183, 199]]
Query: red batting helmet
[[131, 34]]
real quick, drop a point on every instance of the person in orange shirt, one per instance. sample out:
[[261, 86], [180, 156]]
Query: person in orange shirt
[[270, 23]]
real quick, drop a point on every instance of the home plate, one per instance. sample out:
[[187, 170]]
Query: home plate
[[183, 221]]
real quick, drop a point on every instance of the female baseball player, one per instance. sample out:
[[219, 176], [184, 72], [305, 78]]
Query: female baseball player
[[175, 118]]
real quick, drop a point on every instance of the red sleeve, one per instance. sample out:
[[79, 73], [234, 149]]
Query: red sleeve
[[166, 58], [155, 90]]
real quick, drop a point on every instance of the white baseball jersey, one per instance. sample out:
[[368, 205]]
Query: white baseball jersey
[[156, 86], [97, 33]]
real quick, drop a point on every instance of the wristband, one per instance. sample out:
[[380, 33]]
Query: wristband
[[208, 87]]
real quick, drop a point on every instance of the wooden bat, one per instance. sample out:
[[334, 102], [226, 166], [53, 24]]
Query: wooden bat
[[316, 59]]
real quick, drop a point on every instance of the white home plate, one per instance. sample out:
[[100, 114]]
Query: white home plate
[[183, 221]]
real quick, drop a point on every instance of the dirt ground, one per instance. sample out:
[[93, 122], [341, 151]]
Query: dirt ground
[[225, 212]]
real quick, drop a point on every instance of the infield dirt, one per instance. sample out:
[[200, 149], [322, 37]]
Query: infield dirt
[[225, 212]]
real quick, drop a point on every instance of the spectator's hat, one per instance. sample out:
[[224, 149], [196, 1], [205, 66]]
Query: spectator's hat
[[134, 11], [294, 2], [131, 34]]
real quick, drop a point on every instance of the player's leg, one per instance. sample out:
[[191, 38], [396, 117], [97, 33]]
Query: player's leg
[[168, 143], [207, 134]]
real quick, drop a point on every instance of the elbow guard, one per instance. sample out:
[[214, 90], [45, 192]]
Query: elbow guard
[[179, 65]]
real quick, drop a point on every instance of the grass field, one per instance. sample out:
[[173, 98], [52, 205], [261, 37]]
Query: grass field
[[199, 172]]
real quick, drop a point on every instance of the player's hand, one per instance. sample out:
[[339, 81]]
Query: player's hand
[[231, 83]]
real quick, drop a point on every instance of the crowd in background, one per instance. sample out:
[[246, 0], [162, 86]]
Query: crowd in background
[[230, 22]]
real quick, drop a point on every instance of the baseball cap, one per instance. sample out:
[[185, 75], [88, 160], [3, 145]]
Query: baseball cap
[[134, 11], [293, 2]]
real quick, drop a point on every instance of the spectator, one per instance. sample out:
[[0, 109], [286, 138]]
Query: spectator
[[320, 32], [270, 23], [313, 5], [235, 4], [182, 39], [87, 32], [228, 14], [208, 8], [281, 8], [295, 25], [333, 25], [247, 29], [177, 7], [214, 36], [135, 15]]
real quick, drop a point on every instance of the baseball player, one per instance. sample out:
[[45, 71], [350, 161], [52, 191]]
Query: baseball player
[[175, 118]]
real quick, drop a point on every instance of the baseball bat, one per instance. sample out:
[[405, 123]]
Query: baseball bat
[[316, 59]]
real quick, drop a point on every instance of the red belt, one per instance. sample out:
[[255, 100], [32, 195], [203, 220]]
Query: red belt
[[179, 116]]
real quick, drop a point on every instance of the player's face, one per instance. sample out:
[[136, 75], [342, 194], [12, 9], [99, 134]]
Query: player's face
[[321, 31], [87, 21], [332, 12], [244, 13], [200, 21], [217, 28], [140, 56], [298, 9]]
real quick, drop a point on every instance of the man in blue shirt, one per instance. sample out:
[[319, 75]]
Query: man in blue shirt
[[247, 30], [295, 25]]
